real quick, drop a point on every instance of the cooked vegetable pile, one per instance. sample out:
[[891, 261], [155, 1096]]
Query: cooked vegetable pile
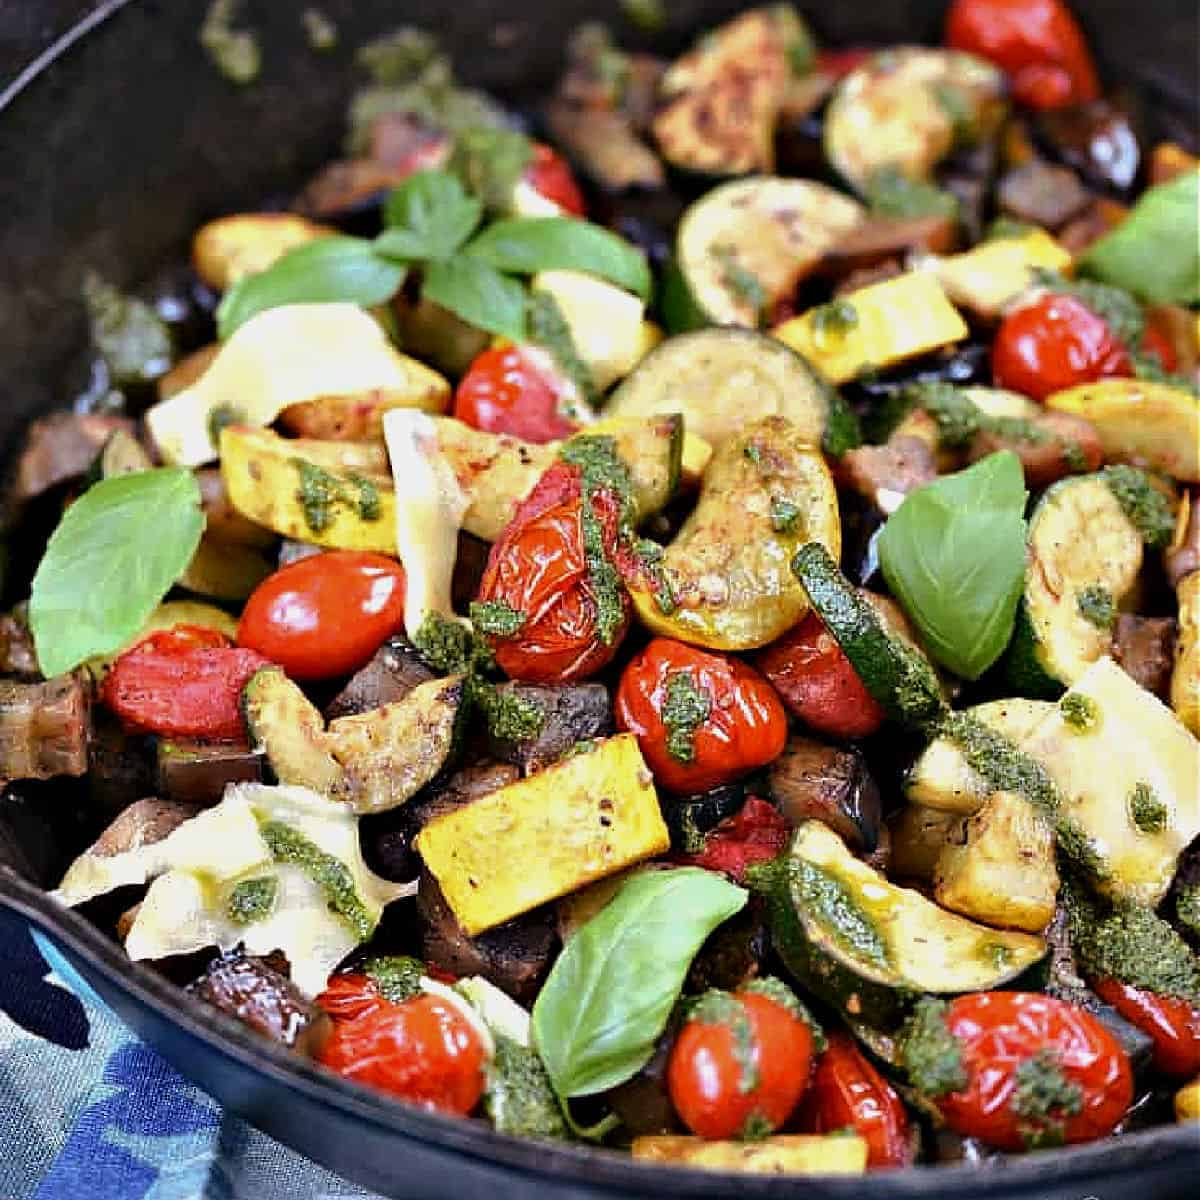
[[688, 639]]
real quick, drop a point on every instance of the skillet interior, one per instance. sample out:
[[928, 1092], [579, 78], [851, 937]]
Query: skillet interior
[[113, 153]]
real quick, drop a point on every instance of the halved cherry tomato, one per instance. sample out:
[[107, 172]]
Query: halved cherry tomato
[[1172, 1023], [701, 718], [350, 996], [1055, 343], [182, 682], [755, 834], [739, 1066], [512, 390], [539, 569], [999, 1034], [325, 615], [1155, 342], [846, 1090], [817, 682], [423, 1050], [548, 174], [1036, 42]]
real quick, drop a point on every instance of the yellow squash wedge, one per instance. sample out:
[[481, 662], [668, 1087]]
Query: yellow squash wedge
[[1185, 679], [783, 1154], [231, 248]]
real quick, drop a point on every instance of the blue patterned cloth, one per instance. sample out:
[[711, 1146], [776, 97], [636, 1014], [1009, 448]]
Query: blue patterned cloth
[[88, 1112]]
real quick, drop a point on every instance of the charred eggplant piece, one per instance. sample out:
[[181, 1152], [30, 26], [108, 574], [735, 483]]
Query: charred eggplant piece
[[196, 772], [292, 551], [469, 565], [17, 654], [884, 475], [644, 1102], [1099, 140], [265, 1000], [121, 765], [60, 448], [142, 823], [733, 954], [395, 671], [569, 714], [44, 728], [1041, 193], [1145, 648], [880, 239], [691, 818]]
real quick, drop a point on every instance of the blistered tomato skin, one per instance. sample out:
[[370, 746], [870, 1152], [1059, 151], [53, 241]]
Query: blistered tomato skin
[[549, 175], [1056, 343], [423, 1051], [817, 682], [701, 718], [325, 615], [847, 1091], [1172, 1023], [1000, 1033], [508, 390], [1037, 43], [755, 834]]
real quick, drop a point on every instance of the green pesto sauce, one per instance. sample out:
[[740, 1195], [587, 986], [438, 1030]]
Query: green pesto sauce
[[825, 899], [1074, 457], [1002, 765], [995, 953], [497, 618], [397, 976], [234, 52], [252, 900], [1147, 812], [1043, 1098], [321, 493], [649, 556], [775, 989], [833, 321], [957, 416], [449, 647], [890, 193], [1081, 850], [929, 1053], [510, 717], [549, 329], [955, 102], [1095, 605], [739, 281], [519, 1097], [127, 333], [1187, 907], [288, 845], [1143, 503], [686, 706], [785, 514], [1120, 311], [716, 1007], [1079, 712]]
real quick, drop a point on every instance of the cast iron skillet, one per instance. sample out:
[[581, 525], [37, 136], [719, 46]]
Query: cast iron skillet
[[114, 146]]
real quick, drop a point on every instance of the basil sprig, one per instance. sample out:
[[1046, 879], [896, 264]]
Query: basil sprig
[[953, 554], [113, 557], [430, 220], [612, 989]]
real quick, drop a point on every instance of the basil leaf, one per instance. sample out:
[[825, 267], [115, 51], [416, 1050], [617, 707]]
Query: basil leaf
[[954, 556], [610, 993], [479, 294], [490, 163], [525, 245], [428, 216], [114, 556], [331, 269], [1155, 252]]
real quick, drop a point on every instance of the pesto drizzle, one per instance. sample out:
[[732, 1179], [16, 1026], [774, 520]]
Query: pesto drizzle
[[1143, 503], [252, 899], [321, 492], [929, 1053], [686, 706], [497, 618], [549, 329], [1095, 605], [397, 976], [1004, 767], [716, 1007], [739, 281], [1079, 712], [833, 320], [1147, 812], [826, 900], [1043, 1097]]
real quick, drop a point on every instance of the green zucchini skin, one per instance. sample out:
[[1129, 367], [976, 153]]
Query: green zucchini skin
[[1022, 667]]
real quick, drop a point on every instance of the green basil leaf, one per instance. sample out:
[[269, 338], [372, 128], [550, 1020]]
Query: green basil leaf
[[525, 245], [428, 216], [954, 556], [479, 294], [114, 556], [490, 162], [1155, 252], [609, 995], [331, 269]]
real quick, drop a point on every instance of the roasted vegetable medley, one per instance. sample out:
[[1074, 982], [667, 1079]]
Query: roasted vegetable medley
[[670, 619]]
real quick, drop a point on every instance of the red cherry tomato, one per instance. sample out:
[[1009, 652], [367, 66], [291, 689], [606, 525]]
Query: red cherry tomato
[[182, 682], [734, 720], [846, 1090], [755, 834], [512, 391], [999, 1033], [840, 63], [548, 174], [739, 1066], [350, 996], [325, 615], [1055, 343], [424, 1051], [817, 682], [539, 568], [1036, 42], [1172, 1023], [1157, 343]]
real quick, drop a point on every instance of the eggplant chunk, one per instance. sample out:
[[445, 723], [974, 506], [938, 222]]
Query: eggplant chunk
[[880, 240], [1039, 193], [264, 1000], [570, 714], [196, 772], [514, 956], [223, 522], [59, 448], [605, 145], [44, 728], [17, 654], [234, 247], [395, 671], [813, 780], [1145, 649], [1097, 139], [120, 764], [142, 823], [884, 475], [733, 953], [644, 1102]]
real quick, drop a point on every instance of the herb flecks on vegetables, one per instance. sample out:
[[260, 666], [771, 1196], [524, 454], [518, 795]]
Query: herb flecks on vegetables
[[1144, 504], [1044, 1097], [837, 909], [549, 329], [252, 899], [929, 1053], [1002, 765], [740, 281], [686, 707], [1095, 605], [497, 618], [519, 1097], [1079, 712], [833, 321], [322, 493], [397, 976], [1147, 812], [778, 991], [716, 1007], [891, 193]]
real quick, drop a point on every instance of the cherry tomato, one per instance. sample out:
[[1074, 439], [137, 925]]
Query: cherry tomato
[[350, 996], [755, 834], [423, 1050], [846, 1090], [325, 615], [513, 390], [817, 682], [1055, 343], [840, 63], [549, 175], [701, 718], [1172, 1023], [539, 568], [182, 682], [1036, 42], [739, 1066], [1157, 343], [1001, 1032]]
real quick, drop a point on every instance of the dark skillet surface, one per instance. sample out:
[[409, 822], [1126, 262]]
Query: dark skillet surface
[[111, 157]]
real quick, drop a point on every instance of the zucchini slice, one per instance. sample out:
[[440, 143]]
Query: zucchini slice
[[720, 379], [746, 245], [231, 248], [1085, 555], [225, 570], [906, 108], [893, 670], [784, 1154], [727, 584], [866, 945], [1185, 679]]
